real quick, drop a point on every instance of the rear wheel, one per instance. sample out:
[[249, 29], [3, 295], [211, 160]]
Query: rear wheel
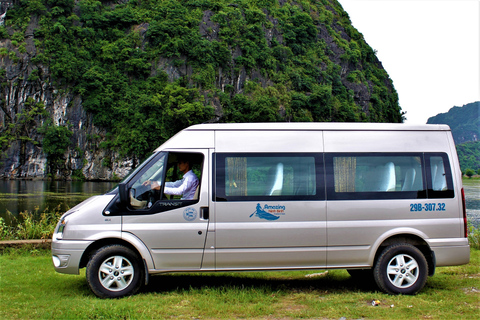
[[114, 271], [401, 269]]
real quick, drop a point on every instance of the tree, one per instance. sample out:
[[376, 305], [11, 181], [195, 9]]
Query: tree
[[469, 173], [55, 143]]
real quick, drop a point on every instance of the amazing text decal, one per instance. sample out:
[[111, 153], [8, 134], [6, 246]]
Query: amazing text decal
[[268, 212]]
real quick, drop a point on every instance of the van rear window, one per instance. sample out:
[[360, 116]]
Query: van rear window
[[252, 177], [439, 176], [388, 176]]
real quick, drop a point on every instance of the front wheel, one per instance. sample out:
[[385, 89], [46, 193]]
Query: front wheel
[[114, 271], [401, 269]]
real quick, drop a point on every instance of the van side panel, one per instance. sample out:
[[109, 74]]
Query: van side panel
[[273, 232], [386, 141], [268, 141], [355, 226], [189, 138]]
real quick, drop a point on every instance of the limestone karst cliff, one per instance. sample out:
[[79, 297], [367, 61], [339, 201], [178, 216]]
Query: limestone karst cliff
[[463, 120], [89, 88]]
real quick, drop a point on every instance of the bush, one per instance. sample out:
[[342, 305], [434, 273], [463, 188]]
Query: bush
[[27, 226], [474, 237], [469, 173]]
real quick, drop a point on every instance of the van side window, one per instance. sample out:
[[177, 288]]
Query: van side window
[[164, 180], [375, 176], [141, 196], [440, 183], [251, 177], [439, 180]]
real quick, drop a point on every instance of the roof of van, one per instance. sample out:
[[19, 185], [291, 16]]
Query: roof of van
[[359, 126]]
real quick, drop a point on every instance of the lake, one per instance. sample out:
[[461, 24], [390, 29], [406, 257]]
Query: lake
[[21, 195], [37, 196], [472, 199]]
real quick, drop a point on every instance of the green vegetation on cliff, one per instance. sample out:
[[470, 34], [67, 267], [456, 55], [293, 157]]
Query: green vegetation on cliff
[[146, 69], [465, 124], [469, 156]]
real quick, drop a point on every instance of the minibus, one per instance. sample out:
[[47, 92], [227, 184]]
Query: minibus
[[383, 201]]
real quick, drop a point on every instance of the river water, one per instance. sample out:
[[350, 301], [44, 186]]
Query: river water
[[472, 199], [37, 196]]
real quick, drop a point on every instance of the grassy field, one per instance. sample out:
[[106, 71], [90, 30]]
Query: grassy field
[[30, 289]]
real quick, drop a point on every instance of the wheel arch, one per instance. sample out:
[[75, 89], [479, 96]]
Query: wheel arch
[[128, 240], [414, 238]]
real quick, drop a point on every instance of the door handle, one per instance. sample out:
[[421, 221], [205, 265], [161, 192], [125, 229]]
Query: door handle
[[204, 213]]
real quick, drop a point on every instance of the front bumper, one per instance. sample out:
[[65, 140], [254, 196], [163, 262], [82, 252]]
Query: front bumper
[[67, 254]]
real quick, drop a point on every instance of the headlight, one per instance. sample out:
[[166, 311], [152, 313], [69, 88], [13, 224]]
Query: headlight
[[61, 228], [62, 225]]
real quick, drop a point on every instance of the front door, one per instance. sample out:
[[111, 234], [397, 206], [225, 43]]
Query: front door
[[173, 226]]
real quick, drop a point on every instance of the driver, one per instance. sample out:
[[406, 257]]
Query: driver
[[185, 187]]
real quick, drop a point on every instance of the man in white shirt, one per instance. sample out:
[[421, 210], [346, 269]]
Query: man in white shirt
[[185, 187]]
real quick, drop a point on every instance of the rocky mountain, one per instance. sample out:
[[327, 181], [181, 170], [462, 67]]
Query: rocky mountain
[[464, 122], [89, 88]]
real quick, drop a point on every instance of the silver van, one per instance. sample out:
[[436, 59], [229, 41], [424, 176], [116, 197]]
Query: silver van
[[383, 201]]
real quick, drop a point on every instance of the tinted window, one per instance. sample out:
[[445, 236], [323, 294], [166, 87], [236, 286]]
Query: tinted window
[[388, 176], [251, 177], [440, 184], [375, 176]]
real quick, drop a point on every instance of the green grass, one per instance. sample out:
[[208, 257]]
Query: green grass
[[31, 289]]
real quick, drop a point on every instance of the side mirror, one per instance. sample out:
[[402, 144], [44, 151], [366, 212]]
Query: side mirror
[[123, 193]]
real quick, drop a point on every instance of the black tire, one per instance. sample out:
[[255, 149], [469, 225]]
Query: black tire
[[401, 269], [115, 271]]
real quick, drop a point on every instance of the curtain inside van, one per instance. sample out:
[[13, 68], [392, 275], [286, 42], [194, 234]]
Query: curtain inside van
[[236, 176], [344, 173]]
